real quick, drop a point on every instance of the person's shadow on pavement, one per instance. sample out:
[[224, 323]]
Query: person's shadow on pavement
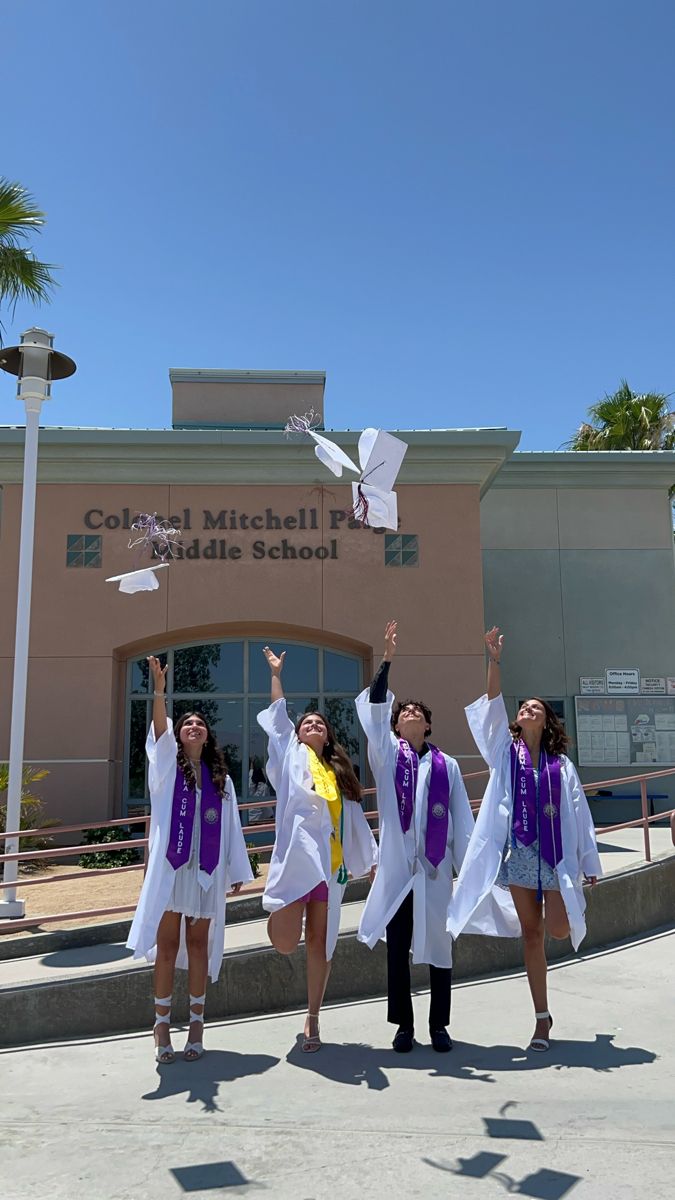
[[202, 1079], [358, 1064]]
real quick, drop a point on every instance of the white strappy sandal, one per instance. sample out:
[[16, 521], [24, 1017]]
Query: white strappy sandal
[[542, 1044], [195, 1049], [163, 1054], [312, 1043]]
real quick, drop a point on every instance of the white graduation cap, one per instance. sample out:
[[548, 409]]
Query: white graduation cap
[[144, 580], [380, 455], [330, 454], [380, 458], [374, 508]]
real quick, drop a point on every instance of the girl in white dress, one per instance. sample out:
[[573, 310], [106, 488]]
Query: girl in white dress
[[197, 851], [321, 834], [534, 835]]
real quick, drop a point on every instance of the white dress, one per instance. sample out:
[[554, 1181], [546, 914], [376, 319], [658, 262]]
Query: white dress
[[403, 864], [474, 896], [301, 857], [162, 891], [188, 896]]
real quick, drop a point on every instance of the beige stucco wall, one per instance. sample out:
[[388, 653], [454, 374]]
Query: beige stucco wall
[[245, 404], [83, 629]]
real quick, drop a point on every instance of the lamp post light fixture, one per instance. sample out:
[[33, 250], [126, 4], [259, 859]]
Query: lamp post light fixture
[[36, 364]]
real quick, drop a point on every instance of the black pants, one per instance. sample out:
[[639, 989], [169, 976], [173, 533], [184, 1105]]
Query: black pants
[[400, 1008]]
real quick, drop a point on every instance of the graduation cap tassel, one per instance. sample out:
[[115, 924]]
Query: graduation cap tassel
[[359, 511]]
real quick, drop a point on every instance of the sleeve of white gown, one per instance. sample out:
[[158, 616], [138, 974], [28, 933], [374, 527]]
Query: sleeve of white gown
[[280, 732], [589, 859], [238, 865], [489, 725], [360, 847], [462, 818], [376, 724], [161, 754]]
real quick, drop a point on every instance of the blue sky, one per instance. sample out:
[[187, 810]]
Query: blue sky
[[462, 211]]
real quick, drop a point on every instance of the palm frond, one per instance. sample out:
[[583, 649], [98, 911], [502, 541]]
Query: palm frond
[[23, 277], [627, 420], [19, 214]]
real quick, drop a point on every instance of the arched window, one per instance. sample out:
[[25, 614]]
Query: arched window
[[229, 681]]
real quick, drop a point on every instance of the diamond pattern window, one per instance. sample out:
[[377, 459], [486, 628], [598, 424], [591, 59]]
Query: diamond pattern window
[[84, 550], [401, 550]]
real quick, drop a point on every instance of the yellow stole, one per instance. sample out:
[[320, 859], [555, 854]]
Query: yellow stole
[[325, 785]]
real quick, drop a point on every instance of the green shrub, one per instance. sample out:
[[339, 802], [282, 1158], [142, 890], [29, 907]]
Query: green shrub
[[32, 815], [108, 858], [254, 859]]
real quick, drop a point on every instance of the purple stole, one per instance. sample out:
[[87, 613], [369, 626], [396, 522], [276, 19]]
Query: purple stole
[[524, 789], [407, 767], [182, 823]]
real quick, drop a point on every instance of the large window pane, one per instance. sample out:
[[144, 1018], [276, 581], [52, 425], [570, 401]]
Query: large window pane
[[340, 673], [301, 668], [201, 673], [297, 705], [215, 668], [138, 731], [257, 752], [341, 713], [224, 718], [139, 675]]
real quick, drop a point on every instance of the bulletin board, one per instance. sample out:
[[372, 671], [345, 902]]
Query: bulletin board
[[625, 730]]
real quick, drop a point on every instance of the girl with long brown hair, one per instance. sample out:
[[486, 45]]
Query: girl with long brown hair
[[534, 841], [197, 852], [321, 835]]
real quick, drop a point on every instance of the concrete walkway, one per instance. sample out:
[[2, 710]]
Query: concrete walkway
[[595, 1118]]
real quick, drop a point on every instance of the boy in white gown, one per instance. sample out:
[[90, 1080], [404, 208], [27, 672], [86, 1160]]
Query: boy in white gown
[[425, 828]]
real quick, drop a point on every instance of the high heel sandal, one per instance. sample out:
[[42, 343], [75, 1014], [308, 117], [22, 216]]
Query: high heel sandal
[[310, 1045], [539, 1043], [163, 1054], [195, 1049]]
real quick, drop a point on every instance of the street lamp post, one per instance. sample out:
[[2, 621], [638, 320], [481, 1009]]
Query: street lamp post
[[36, 364]]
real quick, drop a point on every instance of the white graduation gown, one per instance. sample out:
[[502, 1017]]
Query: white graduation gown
[[403, 864], [301, 856], [489, 725], [233, 864]]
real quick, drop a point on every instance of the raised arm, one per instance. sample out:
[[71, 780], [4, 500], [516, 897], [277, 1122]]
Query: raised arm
[[275, 664], [378, 688], [158, 675], [494, 642]]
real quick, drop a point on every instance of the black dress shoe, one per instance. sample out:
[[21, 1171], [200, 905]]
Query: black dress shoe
[[404, 1041], [441, 1040]]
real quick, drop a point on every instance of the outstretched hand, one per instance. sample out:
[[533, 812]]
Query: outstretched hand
[[275, 662], [494, 641], [158, 673], [390, 640]]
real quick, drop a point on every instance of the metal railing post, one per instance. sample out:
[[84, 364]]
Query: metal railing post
[[645, 819]]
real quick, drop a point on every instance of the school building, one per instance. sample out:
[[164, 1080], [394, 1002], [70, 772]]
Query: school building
[[571, 554]]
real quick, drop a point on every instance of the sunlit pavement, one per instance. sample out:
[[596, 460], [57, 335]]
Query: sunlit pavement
[[595, 1117]]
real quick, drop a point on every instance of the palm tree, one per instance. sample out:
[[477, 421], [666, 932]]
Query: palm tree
[[627, 421], [22, 276]]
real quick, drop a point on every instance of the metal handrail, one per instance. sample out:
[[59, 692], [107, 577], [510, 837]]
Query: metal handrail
[[261, 802]]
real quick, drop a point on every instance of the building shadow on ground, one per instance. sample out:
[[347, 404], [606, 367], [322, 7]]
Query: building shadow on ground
[[358, 1064], [84, 956], [201, 1080]]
